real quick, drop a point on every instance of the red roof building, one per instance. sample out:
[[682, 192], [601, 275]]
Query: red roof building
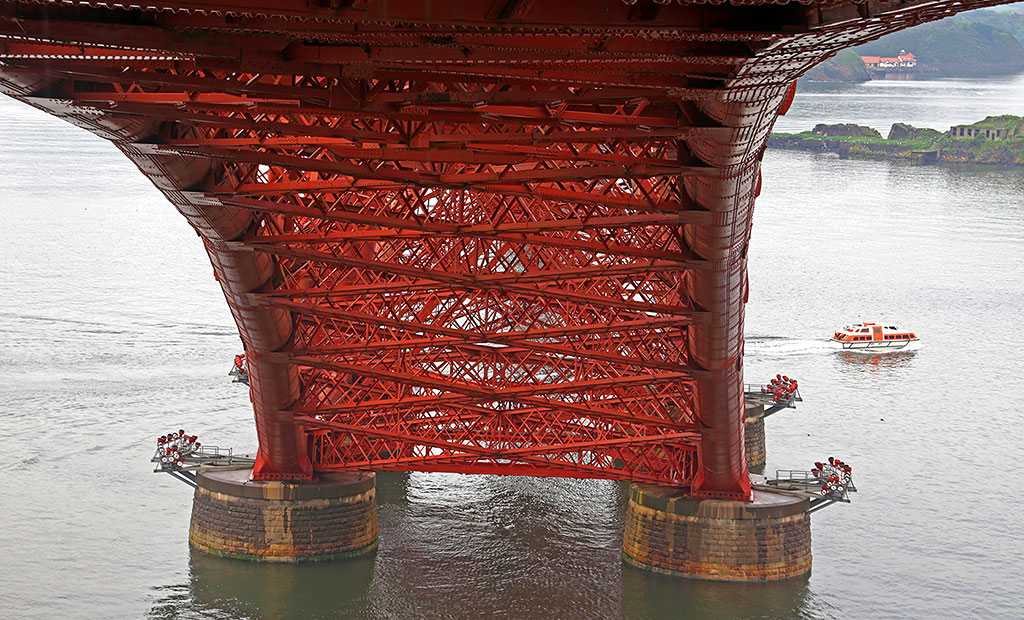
[[905, 60]]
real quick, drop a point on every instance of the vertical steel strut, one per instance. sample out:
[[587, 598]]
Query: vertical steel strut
[[467, 236]]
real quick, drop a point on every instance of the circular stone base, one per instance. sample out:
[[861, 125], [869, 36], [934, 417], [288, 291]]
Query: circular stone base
[[763, 540], [284, 522]]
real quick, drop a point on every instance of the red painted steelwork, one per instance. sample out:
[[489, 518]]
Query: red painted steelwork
[[497, 236]]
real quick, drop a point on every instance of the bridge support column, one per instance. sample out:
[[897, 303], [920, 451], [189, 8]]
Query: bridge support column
[[722, 540], [753, 437], [284, 522]]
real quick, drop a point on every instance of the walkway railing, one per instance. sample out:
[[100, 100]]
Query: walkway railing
[[824, 485], [183, 457], [771, 396]]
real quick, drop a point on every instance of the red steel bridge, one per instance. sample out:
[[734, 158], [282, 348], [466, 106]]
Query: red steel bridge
[[501, 236]]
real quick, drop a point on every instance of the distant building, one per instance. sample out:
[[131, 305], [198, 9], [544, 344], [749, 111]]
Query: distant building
[[905, 60], [989, 133]]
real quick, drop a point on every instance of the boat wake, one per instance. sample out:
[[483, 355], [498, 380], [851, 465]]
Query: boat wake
[[768, 347]]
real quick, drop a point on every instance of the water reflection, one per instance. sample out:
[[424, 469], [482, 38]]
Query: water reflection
[[878, 362], [476, 547], [225, 588]]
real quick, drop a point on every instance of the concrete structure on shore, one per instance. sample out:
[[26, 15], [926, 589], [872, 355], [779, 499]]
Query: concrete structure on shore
[[989, 133]]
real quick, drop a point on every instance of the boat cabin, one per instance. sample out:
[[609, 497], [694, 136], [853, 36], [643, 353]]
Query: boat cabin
[[873, 334]]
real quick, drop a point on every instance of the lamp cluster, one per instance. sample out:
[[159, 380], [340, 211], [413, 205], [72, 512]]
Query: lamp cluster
[[835, 476], [781, 388], [240, 369], [172, 448]]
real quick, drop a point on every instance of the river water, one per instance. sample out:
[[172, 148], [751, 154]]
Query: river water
[[115, 332]]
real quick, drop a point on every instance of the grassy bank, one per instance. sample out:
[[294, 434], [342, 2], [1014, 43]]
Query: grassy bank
[[910, 143]]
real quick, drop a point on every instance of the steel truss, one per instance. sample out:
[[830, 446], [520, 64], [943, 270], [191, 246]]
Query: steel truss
[[503, 237]]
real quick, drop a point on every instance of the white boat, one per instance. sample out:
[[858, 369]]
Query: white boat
[[873, 337]]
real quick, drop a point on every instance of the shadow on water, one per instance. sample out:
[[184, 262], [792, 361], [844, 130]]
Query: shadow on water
[[226, 588], [392, 488], [647, 596]]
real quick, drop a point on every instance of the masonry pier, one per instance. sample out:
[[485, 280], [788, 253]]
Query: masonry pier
[[753, 436], [275, 521], [477, 237], [761, 401], [722, 540]]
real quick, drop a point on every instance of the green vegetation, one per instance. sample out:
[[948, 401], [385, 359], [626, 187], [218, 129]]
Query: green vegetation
[[846, 66], [907, 142], [954, 47], [1007, 121], [1006, 20], [902, 131], [919, 144], [844, 130], [980, 150], [983, 42]]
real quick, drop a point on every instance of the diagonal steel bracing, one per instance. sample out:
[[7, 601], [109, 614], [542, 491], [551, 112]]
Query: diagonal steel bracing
[[480, 236]]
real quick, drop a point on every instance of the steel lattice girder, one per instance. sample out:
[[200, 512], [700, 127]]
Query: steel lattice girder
[[479, 236]]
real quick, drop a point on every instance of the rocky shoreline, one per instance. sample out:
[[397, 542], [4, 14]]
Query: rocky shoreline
[[914, 144]]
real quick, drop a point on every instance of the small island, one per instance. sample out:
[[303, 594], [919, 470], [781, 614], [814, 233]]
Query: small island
[[997, 140]]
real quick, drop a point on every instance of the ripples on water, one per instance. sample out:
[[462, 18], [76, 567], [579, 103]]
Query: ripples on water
[[115, 332]]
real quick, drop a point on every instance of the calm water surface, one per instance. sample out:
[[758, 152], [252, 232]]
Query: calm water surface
[[115, 332]]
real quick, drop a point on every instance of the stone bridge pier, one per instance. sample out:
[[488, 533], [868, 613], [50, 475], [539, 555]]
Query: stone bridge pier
[[476, 236]]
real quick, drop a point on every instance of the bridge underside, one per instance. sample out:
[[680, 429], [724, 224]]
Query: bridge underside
[[503, 236]]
